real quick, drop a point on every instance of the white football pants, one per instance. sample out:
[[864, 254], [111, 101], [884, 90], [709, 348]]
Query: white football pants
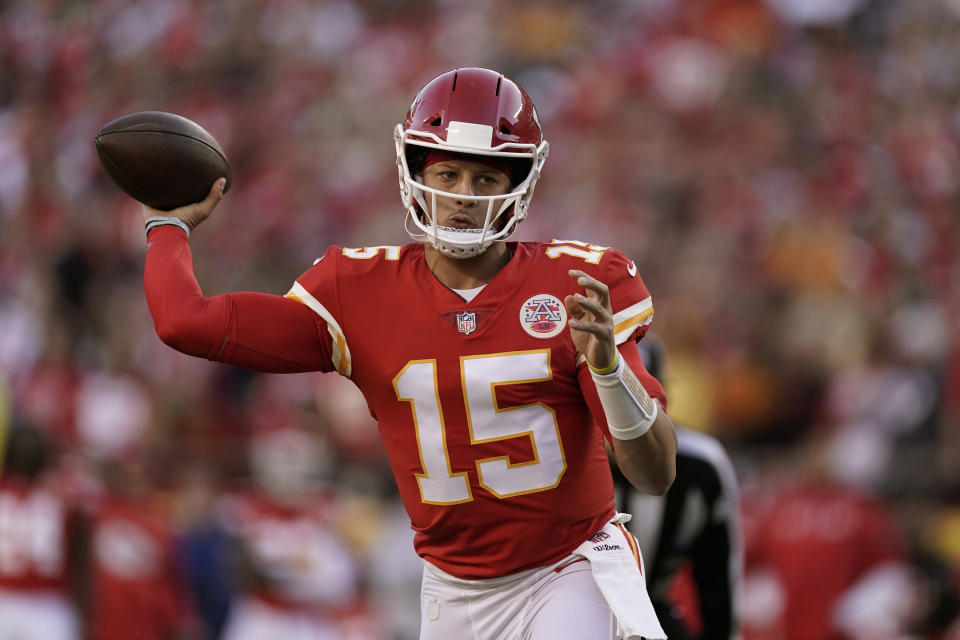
[[541, 604]]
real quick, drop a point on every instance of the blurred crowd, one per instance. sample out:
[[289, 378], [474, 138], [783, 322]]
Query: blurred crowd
[[784, 172]]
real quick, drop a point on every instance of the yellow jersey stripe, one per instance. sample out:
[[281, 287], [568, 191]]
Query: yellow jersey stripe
[[625, 315], [644, 317], [623, 329]]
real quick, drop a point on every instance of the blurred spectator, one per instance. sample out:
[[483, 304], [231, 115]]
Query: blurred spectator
[[298, 577], [205, 547], [378, 526], [824, 559], [39, 539], [136, 585]]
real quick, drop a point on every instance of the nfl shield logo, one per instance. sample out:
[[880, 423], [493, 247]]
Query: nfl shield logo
[[466, 322]]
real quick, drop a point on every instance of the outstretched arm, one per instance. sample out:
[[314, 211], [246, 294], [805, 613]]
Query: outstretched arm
[[643, 437], [253, 330]]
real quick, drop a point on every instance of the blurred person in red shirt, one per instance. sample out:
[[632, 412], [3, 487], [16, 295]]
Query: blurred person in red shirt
[[40, 541], [135, 583], [824, 560], [299, 580]]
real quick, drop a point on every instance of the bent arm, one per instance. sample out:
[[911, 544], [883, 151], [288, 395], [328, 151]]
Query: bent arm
[[649, 462], [257, 331]]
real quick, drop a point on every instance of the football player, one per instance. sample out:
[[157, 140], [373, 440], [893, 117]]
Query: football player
[[487, 363]]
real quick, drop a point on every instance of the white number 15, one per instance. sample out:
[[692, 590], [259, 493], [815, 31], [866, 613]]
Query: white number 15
[[480, 376]]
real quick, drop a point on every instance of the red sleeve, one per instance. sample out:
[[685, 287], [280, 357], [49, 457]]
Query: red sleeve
[[630, 301], [631, 356], [256, 331]]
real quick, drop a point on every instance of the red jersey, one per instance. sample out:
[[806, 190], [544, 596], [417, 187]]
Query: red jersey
[[481, 405], [35, 529], [485, 408], [819, 540], [296, 548], [136, 587]]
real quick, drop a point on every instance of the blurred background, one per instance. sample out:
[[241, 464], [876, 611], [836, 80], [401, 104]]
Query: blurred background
[[784, 172]]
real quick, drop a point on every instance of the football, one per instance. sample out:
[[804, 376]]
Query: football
[[161, 159]]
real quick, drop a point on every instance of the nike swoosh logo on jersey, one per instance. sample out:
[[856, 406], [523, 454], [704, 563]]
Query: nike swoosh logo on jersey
[[632, 268]]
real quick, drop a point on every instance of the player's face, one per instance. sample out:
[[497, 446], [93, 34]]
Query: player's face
[[466, 178]]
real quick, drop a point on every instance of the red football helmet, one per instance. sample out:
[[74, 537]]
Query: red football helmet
[[472, 111]]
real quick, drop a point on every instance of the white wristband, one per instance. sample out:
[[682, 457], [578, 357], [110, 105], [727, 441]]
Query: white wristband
[[158, 221], [629, 409]]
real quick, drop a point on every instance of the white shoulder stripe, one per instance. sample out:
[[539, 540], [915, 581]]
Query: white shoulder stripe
[[636, 315], [341, 352], [632, 310]]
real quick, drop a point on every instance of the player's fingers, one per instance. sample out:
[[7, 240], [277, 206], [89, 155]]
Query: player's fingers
[[216, 192], [196, 213], [574, 310], [598, 289], [594, 306], [589, 326], [192, 214]]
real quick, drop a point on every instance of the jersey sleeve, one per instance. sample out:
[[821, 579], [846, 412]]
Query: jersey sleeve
[[257, 331], [630, 300], [318, 289]]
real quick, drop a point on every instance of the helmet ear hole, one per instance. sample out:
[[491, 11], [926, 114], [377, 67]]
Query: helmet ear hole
[[434, 120]]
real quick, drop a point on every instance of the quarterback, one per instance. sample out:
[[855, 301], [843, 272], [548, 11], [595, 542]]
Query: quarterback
[[494, 389]]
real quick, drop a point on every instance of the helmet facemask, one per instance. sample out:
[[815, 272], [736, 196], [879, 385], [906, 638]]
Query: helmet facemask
[[485, 115], [503, 212]]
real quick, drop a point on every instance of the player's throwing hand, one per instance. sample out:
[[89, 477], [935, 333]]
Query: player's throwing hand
[[191, 214]]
